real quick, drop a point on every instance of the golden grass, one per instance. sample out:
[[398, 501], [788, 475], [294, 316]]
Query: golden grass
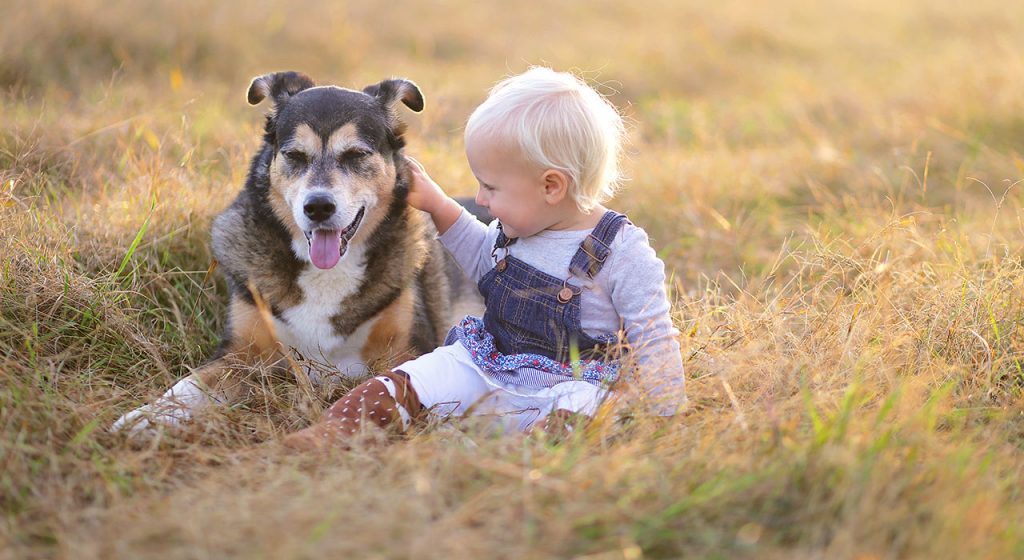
[[832, 185]]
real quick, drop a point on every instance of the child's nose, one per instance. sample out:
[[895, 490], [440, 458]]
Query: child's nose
[[480, 198]]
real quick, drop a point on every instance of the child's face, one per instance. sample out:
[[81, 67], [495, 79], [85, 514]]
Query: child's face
[[511, 188]]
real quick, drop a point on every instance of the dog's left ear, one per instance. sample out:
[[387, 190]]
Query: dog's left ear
[[394, 90], [278, 85]]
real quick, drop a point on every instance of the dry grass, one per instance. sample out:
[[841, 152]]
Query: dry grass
[[834, 187]]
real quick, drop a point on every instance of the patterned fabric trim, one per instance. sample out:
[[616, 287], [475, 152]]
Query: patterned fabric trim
[[532, 370]]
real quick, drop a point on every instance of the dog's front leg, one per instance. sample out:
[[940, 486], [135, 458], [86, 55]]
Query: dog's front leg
[[250, 342], [175, 406]]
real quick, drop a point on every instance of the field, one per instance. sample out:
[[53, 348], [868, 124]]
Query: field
[[833, 186]]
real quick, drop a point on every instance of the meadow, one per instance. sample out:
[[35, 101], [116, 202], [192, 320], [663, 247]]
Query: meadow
[[832, 185]]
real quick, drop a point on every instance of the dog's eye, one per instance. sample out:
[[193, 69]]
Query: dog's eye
[[352, 156], [296, 157]]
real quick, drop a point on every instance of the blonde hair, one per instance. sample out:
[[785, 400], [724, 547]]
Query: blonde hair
[[557, 122]]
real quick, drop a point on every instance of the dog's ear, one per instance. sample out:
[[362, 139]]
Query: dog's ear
[[394, 90], [278, 85]]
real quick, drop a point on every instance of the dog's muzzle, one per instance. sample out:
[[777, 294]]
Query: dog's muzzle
[[327, 242]]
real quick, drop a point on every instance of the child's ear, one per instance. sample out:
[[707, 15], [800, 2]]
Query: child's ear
[[556, 186]]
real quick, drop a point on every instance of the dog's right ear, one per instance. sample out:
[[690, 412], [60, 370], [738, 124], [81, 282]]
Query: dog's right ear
[[278, 85], [390, 92]]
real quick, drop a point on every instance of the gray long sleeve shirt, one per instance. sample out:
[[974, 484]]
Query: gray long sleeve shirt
[[630, 287]]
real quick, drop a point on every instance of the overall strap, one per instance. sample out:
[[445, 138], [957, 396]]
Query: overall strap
[[596, 247], [501, 242]]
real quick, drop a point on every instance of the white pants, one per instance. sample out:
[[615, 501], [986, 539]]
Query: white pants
[[448, 383]]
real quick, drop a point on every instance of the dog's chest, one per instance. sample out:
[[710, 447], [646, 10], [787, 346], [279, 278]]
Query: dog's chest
[[307, 327]]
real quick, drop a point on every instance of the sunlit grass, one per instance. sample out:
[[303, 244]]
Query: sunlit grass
[[833, 187]]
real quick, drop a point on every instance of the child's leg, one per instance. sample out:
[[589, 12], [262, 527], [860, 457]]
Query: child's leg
[[559, 423], [573, 404], [384, 401], [444, 381]]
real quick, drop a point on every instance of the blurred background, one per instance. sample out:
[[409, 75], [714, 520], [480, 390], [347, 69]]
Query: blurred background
[[750, 119]]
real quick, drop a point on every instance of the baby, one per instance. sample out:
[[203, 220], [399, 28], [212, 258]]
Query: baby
[[572, 290]]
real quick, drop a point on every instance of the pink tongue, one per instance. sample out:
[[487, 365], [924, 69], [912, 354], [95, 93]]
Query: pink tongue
[[325, 248]]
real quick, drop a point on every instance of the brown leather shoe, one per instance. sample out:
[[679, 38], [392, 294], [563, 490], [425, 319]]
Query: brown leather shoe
[[384, 401]]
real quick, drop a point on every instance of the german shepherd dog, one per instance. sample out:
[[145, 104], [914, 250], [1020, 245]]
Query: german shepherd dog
[[321, 252]]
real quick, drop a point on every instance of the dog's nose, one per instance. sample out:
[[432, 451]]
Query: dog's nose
[[319, 207]]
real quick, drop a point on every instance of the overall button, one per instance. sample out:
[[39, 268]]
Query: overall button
[[564, 295], [501, 266]]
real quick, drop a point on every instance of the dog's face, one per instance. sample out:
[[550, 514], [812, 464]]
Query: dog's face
[[336, 156]]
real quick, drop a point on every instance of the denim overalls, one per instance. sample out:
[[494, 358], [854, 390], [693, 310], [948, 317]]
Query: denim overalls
[[531, 325]]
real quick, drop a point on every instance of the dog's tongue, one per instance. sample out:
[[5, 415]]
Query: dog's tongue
[[325, 248]]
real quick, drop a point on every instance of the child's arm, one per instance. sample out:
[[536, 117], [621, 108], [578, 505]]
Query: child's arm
[[637, 284], [468, 240]]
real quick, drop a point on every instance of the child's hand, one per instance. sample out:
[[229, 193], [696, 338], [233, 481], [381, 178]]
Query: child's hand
[[424, 193]]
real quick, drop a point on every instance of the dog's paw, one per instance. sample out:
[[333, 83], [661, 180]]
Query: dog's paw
[[144, 421], [175, 407], [133, 423]]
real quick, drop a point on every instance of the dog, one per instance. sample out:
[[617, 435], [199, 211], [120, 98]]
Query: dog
[[320, 250]]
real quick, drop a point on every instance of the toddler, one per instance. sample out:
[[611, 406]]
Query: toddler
[[567, 283]]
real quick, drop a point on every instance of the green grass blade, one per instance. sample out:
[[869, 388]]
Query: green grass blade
[[136, 241]]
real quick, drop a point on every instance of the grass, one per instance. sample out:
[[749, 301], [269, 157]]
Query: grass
[[834, 188]]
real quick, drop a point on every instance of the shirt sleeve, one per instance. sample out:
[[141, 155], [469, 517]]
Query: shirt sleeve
[[470, 241], [637, 290]]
